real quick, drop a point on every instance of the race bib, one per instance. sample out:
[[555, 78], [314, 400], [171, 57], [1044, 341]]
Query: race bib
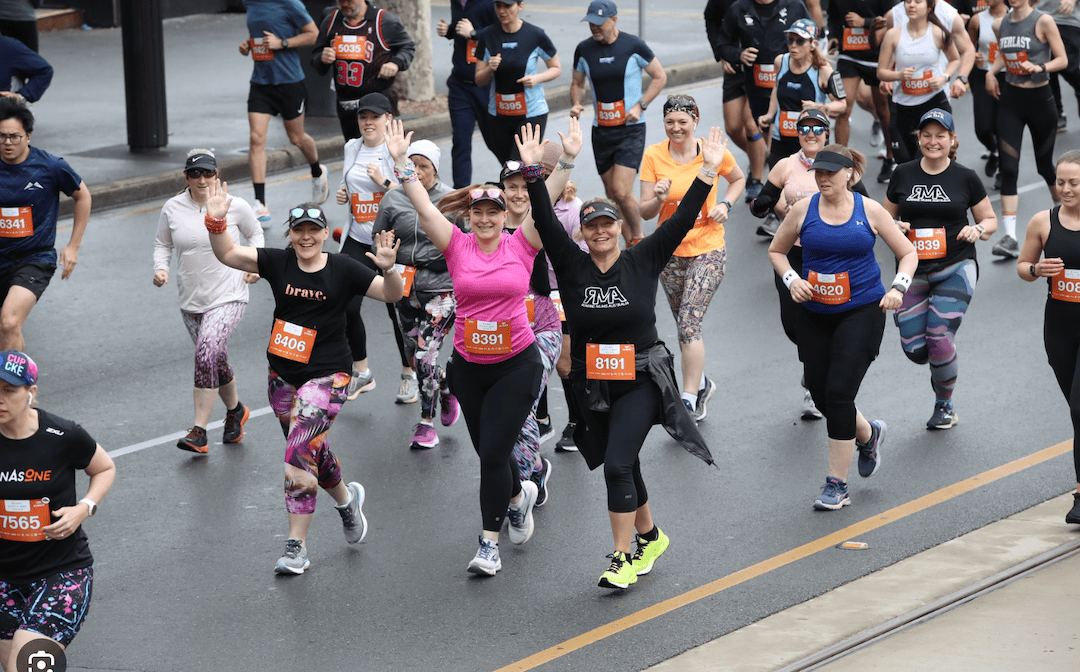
[[765, 76], [830, 288], [24, 519], [1013, 61], [487, 338], [609, 361], [408, 274], [350, 47], [980, 6], [291, 341], [670, 206], [530, 309], [611, 114], [1065, 286], [788, 123], [16, 222], [919, 85], [365, 210], [856, 39], [470, 51], [991, 53], [510, 104], [557, 300], [929, 243], [260, 50]]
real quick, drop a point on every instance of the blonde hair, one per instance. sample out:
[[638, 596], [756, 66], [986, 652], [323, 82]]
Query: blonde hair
[[858, 160], [199, 150], [1071, 156]]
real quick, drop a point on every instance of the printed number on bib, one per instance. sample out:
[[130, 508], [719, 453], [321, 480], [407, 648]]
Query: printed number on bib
[[856, 39], [991, 53], [788, 123], [24, 519], [611, 114], [260, 50], [609, 361], [291, 341], [16, 222], [830, 288], [350, 48], [980, 6], [365, 210], [1013, 61], [929, 243], [670, 206], [1065, 286], [765, 76], [510, 104], [919, 85], [530, 308], [470, 51], [408, 274], [487, 338], [557, 300]]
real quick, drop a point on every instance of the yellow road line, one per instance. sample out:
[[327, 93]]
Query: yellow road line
[[786, 558]]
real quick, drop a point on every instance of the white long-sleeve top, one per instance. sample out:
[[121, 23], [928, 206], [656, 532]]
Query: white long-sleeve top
[[355, 180], [203, 281]]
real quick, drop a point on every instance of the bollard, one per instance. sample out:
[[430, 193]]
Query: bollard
[[144, 74]]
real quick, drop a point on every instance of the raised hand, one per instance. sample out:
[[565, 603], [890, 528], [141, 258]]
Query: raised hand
[[713, 148], [397, 141], [572, 141], [529, 144], [386, 249], [218, 199]]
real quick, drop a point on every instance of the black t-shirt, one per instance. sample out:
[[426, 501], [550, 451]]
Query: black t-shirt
[[937, 201], [41, 467], [313, 301]]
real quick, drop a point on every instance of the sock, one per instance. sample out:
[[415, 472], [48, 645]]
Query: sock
[[701, 385], [346, 504], [692, 398], [651, 535], [260, 191], [316, 170], [429, 423], [1010, 225]]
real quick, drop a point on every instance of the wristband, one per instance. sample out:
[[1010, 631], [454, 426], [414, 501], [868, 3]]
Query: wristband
[[726, 202], [532, 173], [215, 225], [790, 277], [902, 282], [708, 173], [564, 165], [406, 174]]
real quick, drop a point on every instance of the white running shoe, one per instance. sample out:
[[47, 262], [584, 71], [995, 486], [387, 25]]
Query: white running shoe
[[320, 187], [520, 515], [262, 213]]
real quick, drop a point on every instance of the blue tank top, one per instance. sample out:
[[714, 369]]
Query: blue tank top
[[844, 248], [791, 90]]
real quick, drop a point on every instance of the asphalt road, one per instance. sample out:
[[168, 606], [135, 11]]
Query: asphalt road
[[185, 546]]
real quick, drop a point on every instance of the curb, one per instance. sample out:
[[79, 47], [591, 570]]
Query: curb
[[119, 193]]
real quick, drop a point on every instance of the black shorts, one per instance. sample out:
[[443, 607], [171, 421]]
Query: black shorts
[[33, 275], [274, 99], [734, 85], [849, 69], [622, 145]]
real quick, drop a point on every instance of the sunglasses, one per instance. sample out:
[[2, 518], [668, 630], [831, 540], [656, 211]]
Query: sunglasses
[[797, 41], [196, 173], [512, 167], [807, 129], [297, 213], [491, 192]]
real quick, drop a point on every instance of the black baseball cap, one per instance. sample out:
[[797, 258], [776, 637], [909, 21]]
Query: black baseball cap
[[374, 102], [831, 162], [591, 211], [487, 193], [814, 115], [204, 161], [306, 212]]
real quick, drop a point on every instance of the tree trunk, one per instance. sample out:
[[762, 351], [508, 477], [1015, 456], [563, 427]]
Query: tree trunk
[[418, 82]]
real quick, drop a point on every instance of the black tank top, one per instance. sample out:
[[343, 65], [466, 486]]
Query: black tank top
[[1065, 244]]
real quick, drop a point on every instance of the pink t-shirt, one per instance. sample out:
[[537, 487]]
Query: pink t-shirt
[[490, 288]]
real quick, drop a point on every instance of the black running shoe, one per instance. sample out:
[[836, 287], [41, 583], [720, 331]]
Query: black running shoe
[[887, 167], [992, 165], [566, 443], [1073, 517], [234, 424], [540, 478]]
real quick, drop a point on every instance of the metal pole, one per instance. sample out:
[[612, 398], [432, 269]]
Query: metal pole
[[641, 18], [144, 74]]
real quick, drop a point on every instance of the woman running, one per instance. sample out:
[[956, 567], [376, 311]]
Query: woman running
[[1054, 235], [1029, 48], [212, 297], [985, 106], [425, 314], [930, 199], [696, 269], [308, 354], [46, 569], [841, 326]]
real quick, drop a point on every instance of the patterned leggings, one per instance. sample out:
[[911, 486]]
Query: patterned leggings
[[55, 606], [425, 320], [931, 313], [305, 415], [527, 445], [211, 331], [689, 283]]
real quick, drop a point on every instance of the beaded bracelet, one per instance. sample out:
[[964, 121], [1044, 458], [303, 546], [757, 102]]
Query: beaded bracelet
[[214, 224], [406, 174], [533, 172]]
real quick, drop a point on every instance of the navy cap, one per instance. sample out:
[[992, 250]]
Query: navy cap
[[204, 161], [939, 115], [591, 211], [600, 11], [374, 102], [814, 115]]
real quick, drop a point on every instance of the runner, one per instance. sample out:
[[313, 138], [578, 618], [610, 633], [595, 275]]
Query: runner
[[212, 297], [622, 373], [516, 88], [1066, 16], [28, 257], [1029, 48], [613, 62], [308, 355], [841, 326], [930, 199], [985, 106], [277, 28], [696, 269], [46, 569], [1054, 235]]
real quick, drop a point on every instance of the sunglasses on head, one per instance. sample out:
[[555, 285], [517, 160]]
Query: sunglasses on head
[[297, 213], [807, 129], [196, 173], [490, 192], [797, 41], [513, 166]]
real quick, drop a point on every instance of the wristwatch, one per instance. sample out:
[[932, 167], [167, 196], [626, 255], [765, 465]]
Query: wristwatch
[[726, 202], [963, 79], [386, 183], [91, 504], [644, 105], [285, 43], [898, 287], [980, 227], [1033, 274]]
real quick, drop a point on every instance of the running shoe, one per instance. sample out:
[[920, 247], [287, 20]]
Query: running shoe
[[809, 408], [870, 452], [486, 561], [876, 136], [1073, 516], [195, 441], [753, 188], [768, 227], [620, 574], [424, 436], [690, 408], [703, 396], [992, 162], [887, 168], [520, 515], [409, 390], [360, 383], [295, 560], [1063, 123], [1006, 247], [450, 409], [546, 430], [352, 514], [834, 495], [540, 478], [648, 551], [262, 213], [320, 187], [234, 424], [566, 443], [944, 416]]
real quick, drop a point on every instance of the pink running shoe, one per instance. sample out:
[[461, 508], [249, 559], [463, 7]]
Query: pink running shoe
[[451, 410], [424, 437]]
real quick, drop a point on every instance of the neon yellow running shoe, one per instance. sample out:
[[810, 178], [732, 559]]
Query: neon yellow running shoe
[[620, 574], [648, 551]]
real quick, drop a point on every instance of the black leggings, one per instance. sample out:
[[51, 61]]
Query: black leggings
[[635, 408], [836, 350], [1035, 109], [1061, 337], [495, 400], [986, 109], [1070, 38], [354, 322], [789, 310], [904, 119], [501, 132]]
